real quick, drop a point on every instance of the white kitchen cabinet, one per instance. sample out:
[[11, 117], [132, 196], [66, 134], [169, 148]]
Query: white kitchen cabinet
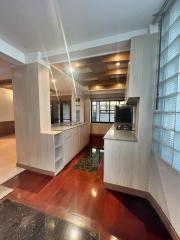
[[74, 140], [140, 70], [67, 140]]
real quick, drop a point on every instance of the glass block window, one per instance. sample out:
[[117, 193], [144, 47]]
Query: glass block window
[[166, 129]]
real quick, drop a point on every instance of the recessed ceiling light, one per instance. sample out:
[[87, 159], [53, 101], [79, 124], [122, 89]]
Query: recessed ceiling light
[[118, 64], [53, 80], [71, 69]]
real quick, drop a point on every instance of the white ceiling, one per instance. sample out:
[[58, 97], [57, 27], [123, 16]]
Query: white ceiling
[[33, 25]]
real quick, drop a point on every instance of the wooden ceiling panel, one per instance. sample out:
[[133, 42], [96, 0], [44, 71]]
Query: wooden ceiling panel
[[117, 57], [109, 69]]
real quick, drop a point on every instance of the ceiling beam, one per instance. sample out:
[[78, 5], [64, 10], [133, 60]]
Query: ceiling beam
[[101, 46]]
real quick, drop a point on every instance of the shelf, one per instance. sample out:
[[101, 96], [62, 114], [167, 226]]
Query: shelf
[[58, 159], [58, 165], [58, 153], [58, 139], [58, 145]]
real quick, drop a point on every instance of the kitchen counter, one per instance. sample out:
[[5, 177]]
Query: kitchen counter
[[121, 135], [62, 128], [59, 128]]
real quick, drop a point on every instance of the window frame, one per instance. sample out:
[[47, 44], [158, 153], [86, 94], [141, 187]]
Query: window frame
[[109, 110]]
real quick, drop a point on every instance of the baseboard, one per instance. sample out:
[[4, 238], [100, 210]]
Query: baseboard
[[37, 170], [151, 200]]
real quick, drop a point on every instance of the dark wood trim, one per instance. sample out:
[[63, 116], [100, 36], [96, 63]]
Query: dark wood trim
[[7, 128], [151, 200]]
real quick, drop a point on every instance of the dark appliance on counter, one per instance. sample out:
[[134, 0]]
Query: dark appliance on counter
[[124, 116]]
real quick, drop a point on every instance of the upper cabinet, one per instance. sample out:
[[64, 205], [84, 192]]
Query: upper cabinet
[[142, 59]]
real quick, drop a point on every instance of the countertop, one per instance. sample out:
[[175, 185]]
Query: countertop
[[122, 135], [62, 128], [57, 128]]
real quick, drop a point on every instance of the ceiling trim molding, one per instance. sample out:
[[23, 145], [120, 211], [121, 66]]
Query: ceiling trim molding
[[37, 57], [97, 43], [12, 52]]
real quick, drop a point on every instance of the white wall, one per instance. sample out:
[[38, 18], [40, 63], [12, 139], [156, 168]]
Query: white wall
[[6, 105]]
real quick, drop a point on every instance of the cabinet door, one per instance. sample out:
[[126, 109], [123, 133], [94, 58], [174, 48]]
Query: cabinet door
[[67, 140], [74, 147], [81, 137], [76, 142]]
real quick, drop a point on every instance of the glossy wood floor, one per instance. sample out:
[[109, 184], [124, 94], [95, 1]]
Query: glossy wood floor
[[80, 197]]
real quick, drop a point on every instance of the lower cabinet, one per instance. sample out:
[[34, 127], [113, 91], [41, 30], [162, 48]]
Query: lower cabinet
[[74, 140]]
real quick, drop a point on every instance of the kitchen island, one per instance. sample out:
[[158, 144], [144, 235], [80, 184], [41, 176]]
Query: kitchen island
[[56, 148]]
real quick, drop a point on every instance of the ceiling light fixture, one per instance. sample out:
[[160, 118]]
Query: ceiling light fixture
[[71, 69], [53, 80], [118, 64]]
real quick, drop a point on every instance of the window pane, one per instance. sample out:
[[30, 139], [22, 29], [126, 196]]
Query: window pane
[[177, 127], [176, 160], [167, 154], [168, 121], [95, 116], [177, 141], [103, 111], [170, 104], [104, 106], [157, 134], [178, 103], [157, 119], [168, 137], [113, 104], [104, 117], [170, 86], [112, 117]]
